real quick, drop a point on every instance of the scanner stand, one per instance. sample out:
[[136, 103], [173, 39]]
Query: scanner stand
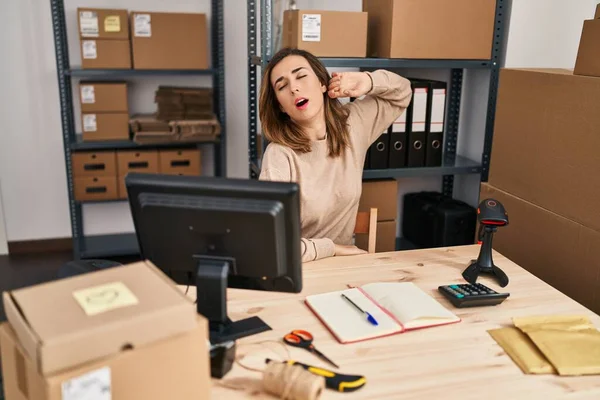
[[485, 263], [211, 292]]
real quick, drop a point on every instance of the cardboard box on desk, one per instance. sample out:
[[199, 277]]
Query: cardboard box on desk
[[559, 251], [73, 321], [588, 55], [172, 368], [169, 40], [431, 29], [326, 33], [546, 140]]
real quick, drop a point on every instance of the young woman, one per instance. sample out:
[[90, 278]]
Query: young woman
[[321, 144]]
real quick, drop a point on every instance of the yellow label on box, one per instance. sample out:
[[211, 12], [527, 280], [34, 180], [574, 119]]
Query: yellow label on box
[[112, 23], [103, 298]]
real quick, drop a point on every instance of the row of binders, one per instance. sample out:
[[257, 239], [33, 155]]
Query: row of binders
[[415, 139]]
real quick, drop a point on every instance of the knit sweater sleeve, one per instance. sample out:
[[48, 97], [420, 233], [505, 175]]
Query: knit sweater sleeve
[[378, 109], [276, 166]]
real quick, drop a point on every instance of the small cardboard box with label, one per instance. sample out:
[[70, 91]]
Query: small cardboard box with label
[[104, 38], [122, 333], [326, 33], [588, 55]]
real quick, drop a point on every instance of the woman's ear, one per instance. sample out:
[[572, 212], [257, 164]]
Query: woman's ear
[[323, 88]]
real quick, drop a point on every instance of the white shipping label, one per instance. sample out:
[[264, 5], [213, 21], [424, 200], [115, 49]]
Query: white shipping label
[[89, 123], [88, 24], [89, 49], [400, 124], [311, 27], [438, 104], [88, 95], [142, 25], [419, 110], [94, 385]]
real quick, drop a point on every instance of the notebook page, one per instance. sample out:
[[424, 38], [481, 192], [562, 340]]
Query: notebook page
[[411, 305], [345, 322]]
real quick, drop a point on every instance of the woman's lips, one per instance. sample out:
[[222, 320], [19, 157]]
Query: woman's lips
[[301, 103]]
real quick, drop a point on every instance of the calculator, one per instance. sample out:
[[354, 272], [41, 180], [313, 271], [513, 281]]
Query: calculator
[[472, 295]]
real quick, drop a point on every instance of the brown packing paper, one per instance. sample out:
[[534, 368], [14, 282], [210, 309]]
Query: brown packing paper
[[570, 343], [522, 351]]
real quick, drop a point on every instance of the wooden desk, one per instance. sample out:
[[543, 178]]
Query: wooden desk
[[459, 361]]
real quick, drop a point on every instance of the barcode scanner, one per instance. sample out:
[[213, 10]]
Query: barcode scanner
[[490, 215]]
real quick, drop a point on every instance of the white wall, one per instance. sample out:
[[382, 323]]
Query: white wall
[[3, 244], [32, 167]]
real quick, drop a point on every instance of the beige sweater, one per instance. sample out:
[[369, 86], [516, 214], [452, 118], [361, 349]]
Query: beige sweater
[[330, 188]]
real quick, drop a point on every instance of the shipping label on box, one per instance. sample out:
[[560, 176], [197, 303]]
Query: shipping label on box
[[94, 385], [90, 51], [311, 27], [88, 24], [142, 25]]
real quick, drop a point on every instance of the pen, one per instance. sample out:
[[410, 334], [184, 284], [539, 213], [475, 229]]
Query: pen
[[369, 316]]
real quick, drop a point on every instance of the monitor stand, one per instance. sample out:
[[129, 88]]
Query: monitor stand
[[211, 292]]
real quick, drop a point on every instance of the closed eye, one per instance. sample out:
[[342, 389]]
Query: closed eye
[[302, 76], [282, 87]]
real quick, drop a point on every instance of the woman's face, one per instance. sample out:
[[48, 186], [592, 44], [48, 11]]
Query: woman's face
[[298, 89]]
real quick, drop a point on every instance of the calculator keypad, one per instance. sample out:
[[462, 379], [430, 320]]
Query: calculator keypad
[[464, 295]]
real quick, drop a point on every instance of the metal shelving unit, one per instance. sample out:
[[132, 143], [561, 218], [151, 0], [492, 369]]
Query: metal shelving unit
[[122, 244], [452, 164]]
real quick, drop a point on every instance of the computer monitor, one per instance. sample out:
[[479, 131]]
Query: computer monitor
[[215, 233]]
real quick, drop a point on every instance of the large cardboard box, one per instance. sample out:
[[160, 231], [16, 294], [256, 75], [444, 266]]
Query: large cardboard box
[[556, 249], [386, 238], [326, 33], [546, 140], [105, 126], [588, 55], [105, 54], [169, 40], [102, 23], [597, 15], [442, 29], [103, 97], [382, 195], [74, 321], [176, 367]]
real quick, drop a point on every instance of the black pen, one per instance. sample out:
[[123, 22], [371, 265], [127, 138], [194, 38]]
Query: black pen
[[367, 315]]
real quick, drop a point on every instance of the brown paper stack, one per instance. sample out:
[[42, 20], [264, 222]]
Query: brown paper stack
[[183, 103], [563, 344], [148, 129]]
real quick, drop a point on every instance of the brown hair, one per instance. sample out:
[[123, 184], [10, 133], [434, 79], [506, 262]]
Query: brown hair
[[277, 125]]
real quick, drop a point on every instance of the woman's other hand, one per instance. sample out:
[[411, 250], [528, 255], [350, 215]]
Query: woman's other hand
[[343, 250], [349, 84]]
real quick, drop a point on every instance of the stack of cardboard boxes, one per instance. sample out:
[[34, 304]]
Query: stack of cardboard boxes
[[427, 29], [544, 167], [100, 176], [116, 39], [382, 195], [121, 333], [104, 111]]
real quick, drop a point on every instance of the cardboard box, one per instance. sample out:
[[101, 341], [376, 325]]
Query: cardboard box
[[436, 29], [137, 161], [103, 97], [557, 250], [94, 316], [179, 162], [588, 55], [95, 188], [382, 195], [597, 15], [102, 23], [546, 140], [386, 238], [173, 368], [121, 188], [90, 164], [105, 54], [326, 33], [105, 126], [169, 40]]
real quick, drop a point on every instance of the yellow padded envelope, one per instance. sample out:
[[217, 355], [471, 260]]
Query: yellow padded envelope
[[522, 351]]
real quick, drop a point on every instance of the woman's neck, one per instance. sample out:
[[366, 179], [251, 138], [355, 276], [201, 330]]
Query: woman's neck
[[315, 129]]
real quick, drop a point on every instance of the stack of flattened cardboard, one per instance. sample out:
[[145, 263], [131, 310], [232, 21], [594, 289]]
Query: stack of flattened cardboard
[[183, 103], [121, 333], [544, 167], [148, 129]]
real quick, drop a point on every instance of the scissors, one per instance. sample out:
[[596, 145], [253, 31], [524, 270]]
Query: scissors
[[304, 340]]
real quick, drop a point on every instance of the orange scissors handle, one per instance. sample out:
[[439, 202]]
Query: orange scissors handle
[[304, 339]]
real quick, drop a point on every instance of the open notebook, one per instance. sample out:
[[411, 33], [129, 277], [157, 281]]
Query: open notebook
[[397, 307]]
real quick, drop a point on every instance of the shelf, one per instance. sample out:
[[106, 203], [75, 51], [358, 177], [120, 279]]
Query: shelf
[[396, 63], [80, 145], [99, 246], [461, 166], [78, 72]]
